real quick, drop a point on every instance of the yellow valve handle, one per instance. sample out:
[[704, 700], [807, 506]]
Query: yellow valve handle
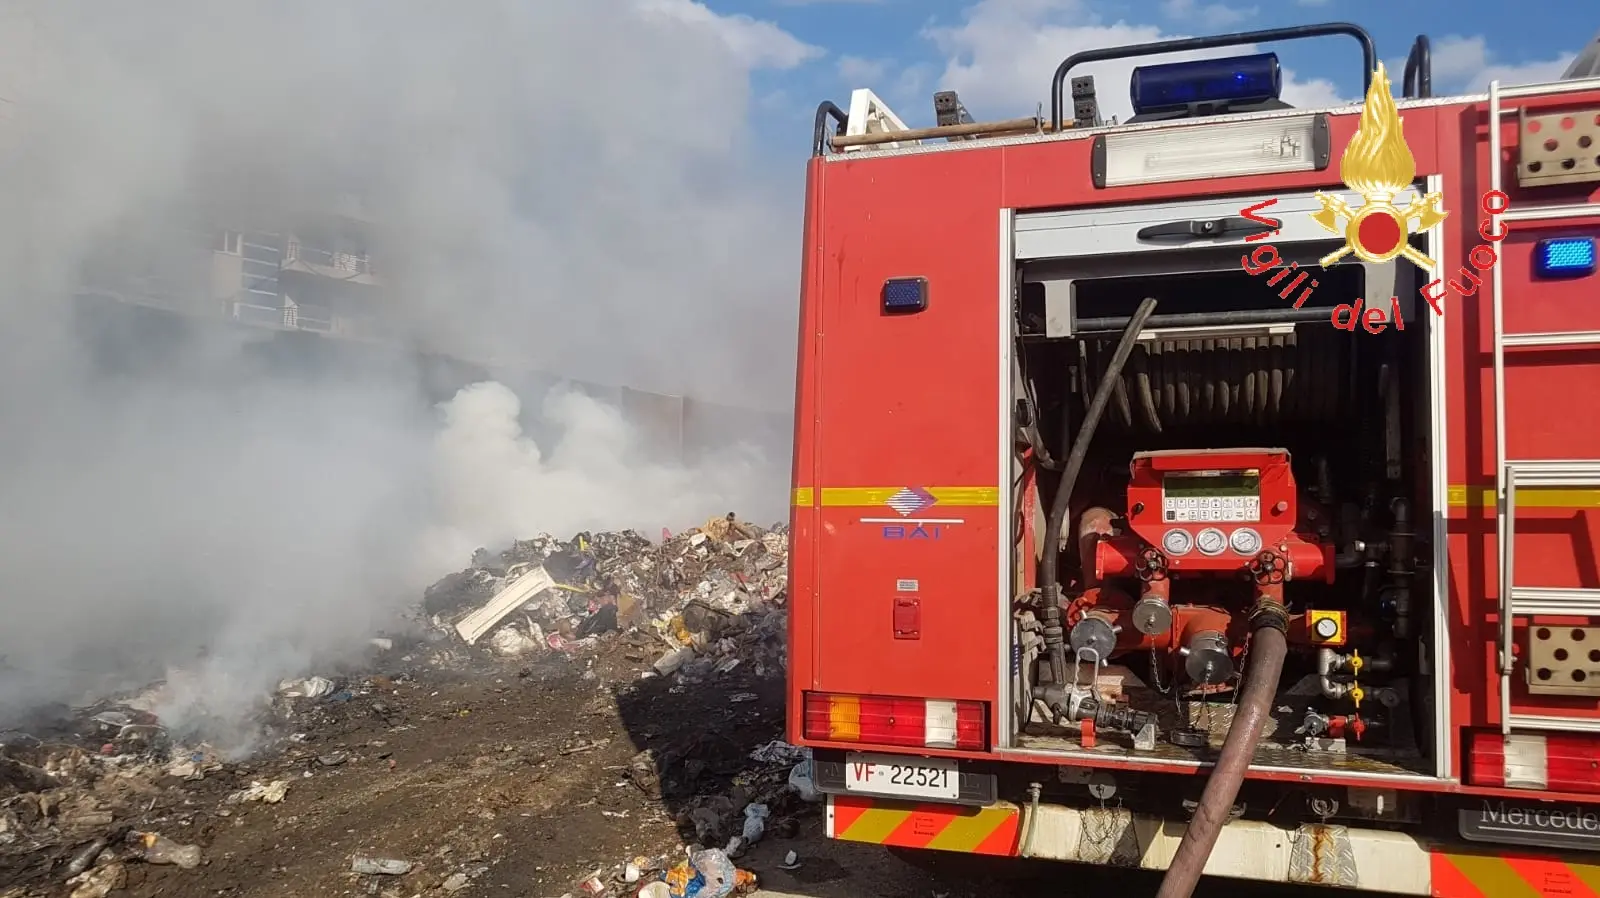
[[1356, 663], [1357, 694]]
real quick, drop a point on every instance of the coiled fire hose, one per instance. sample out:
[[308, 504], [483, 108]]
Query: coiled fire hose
[[1268, 646]]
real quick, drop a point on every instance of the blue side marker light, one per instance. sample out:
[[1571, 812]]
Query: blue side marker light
[[902, 296], [1564, 257]]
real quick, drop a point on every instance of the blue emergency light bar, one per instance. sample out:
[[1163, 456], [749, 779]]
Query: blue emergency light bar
[[1235, 80], [1564, 257]]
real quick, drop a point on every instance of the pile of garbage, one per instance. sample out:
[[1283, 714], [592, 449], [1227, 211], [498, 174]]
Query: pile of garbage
[[85, 791], [712, 598], [74, 782]]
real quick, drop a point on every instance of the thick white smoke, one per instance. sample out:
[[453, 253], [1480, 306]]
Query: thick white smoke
[[597, 474], [564, 184]]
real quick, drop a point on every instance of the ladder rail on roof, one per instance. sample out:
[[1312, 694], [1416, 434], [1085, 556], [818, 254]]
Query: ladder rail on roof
[[870, 115]]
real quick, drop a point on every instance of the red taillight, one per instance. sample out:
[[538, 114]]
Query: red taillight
[[1555, 762], [888, 720]]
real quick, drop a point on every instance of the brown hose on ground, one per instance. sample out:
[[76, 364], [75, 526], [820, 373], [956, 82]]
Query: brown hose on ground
[[1267, 650]]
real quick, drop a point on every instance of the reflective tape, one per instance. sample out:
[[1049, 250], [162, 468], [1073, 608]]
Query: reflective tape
[[944, 827], [1512, 876]]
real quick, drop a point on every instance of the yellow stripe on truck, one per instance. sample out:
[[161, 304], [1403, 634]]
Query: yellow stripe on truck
[[1457, 496], [1463, 496], [869, 496]]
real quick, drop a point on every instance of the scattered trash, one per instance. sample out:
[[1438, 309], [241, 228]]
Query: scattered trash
[[778, 752], [511, 642], [379, 866], [800, 781], [100, 882], [594, 883], [791, 861], [84, 859], [310, 687], [269, 793], [635, 869], [503, 604], [708, 874], [455, 882], [155, 848], [755, 822]]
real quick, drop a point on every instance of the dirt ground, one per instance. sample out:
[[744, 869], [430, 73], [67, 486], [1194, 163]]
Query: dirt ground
[[520, 779]]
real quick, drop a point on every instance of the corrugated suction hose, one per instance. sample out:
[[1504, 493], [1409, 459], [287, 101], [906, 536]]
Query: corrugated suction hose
[[1268, 646], [1302, 377], [1049, 578]]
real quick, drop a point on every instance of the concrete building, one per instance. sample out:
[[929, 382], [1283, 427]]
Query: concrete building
[[315, 274]]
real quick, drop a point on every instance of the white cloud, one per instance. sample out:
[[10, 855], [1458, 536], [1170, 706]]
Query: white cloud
[[1313, 2], [859, 72], [752, 41], [1002, 55], [1209, 16], [1465, 64]]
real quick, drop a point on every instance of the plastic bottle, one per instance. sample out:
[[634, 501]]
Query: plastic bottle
[[159, 849], [755, 823]]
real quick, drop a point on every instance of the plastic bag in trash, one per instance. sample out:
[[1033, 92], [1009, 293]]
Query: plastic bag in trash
[[308, 687], [800, 781], [755, 822], [708, 874]]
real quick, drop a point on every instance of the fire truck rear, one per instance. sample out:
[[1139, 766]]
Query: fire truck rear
[[1210, 492]]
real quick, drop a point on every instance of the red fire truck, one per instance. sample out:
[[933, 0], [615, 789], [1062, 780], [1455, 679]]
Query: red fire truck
[[1112, 545]]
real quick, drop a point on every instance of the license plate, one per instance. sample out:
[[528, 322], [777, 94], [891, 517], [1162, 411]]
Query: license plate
[[1564, 827], [902, 777]]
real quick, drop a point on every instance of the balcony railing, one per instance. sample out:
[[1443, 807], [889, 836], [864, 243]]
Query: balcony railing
[[260, 316], [308, 318], [351, 263]]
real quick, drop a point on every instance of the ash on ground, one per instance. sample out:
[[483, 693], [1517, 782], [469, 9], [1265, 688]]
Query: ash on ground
[[595, 716]]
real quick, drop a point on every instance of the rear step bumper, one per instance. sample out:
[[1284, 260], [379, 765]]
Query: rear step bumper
[[1333, 855]]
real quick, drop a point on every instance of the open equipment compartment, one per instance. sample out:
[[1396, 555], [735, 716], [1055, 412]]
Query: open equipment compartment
[[1248, 448]]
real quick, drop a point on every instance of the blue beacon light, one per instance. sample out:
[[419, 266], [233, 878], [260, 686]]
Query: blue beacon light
[[1234, 79]]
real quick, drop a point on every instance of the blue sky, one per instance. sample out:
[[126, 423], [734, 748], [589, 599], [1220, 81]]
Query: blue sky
[[999, 53]]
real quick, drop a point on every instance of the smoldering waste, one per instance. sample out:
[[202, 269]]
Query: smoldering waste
[[92, 797]]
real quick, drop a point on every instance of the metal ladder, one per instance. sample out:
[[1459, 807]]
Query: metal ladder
[[1511, 475]]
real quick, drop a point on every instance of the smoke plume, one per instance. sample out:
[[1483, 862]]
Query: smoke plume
[[563, 186]]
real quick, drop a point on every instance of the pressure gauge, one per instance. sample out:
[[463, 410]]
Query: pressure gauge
[[1177, 542], [1211, 541], [1327, 628], [1245, 541]]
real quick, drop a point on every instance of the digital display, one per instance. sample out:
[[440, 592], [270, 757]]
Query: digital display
[[1231, 496]]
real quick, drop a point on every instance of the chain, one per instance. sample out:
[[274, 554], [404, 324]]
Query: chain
[[1104, 833], [1155, 673], [1238, 680]]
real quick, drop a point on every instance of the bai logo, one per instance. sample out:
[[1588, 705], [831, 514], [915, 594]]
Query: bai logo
[[1377, 165], [911, 504]]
